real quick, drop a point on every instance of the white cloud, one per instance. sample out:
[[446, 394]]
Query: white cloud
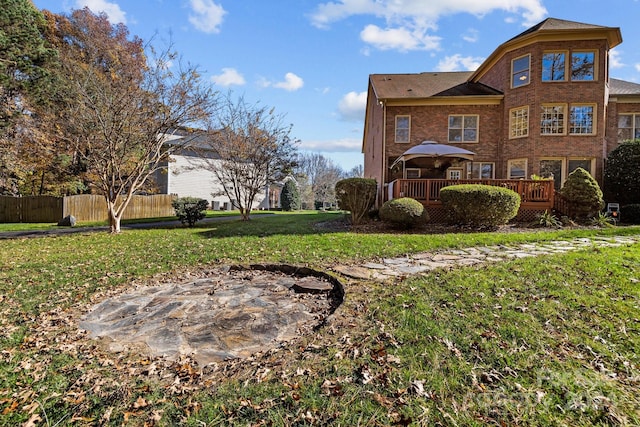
[[207, 16], [471, 35], [290, 83], [615, 59], [333, 145], [229, 77], [402, 39], [637, 67], [408, 23], [352, 106], [458, 62], [112, 10]]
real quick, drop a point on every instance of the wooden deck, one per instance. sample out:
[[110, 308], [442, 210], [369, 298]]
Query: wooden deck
[[535, 195]]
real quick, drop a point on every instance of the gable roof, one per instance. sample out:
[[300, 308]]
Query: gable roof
[[551, 29], [426, 85]]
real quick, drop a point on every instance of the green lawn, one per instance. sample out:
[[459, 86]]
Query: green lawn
[[522, 342]]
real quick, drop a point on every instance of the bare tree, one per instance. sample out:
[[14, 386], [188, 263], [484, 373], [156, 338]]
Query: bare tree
[[123, 102], [252, 148], [321, 174]]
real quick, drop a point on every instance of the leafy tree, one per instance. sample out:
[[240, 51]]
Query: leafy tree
[[122, 104], [622, 174], [27, 84], [290, 196], [253, 149], [583, 194]]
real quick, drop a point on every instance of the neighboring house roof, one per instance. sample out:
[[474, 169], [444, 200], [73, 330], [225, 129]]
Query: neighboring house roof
[[426, 85], [622, 87]]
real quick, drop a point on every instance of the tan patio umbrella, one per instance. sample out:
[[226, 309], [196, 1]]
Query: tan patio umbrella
[[434, 150]]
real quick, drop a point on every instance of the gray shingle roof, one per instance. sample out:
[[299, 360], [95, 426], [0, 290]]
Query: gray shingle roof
[[622, 87], [426, 85]]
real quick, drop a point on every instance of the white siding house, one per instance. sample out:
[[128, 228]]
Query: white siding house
[[189, 175]]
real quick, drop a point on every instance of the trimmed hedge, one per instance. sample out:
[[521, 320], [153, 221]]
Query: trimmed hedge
[[405, 212], [356, 195], [480, 205]]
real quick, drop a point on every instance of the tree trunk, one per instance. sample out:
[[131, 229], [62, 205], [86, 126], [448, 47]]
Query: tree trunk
[[114, 218]]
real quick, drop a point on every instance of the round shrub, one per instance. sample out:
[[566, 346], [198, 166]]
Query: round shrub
[[190, 210], [404, 212], [583, 194], [480, 205], [630, 214]]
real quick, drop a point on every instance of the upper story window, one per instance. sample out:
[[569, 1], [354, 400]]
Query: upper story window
[[520, 70], [581, 119], [583, 66], [463, 128], [628, 127], [519, 122], [553, 119], [403, 127], [554, 66]]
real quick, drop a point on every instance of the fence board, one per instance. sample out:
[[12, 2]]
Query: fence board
[[84, 207]]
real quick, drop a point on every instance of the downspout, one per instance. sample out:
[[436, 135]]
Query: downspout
[[384, 151]]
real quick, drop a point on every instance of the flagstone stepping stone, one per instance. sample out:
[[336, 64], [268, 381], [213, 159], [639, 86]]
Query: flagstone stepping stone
[[230, 313]]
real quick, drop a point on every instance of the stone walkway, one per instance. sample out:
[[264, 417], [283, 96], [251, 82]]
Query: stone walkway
[[424, 262]]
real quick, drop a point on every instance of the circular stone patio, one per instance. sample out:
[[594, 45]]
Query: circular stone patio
[[230, 313]]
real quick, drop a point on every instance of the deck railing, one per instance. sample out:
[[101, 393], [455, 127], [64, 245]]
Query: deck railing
[[537, 194]]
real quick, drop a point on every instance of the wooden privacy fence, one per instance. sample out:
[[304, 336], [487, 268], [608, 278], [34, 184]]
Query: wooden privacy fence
[[84, 207]]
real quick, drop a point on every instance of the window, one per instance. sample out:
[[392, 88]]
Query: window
[[583, 66], [520, 71], [581, 119], [517, 168], [552, 121], [480, 170], [553, 66], [628, 127], [552, 168], [584, 163], [454, 173], [412, 173], [463, 128], [403, 125], [519, 122]]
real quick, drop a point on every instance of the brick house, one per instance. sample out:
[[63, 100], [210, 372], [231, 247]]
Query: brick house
[[541, 104]]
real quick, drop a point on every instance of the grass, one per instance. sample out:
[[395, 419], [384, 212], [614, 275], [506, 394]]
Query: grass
[[517, 343]]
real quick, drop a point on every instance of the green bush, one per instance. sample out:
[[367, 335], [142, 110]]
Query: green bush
[[290, 196], [622, 175], [583, 194], [630, 214], [480, 205], [190, 210], [356, 195], [405, 212]]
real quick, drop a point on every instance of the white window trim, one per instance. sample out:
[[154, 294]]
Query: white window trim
[[450, 170], [406, 175]]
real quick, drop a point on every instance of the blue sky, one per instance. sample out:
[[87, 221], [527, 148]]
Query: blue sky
[[310, 60]]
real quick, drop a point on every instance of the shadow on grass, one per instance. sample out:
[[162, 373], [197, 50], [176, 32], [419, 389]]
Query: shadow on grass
[[303, 223]]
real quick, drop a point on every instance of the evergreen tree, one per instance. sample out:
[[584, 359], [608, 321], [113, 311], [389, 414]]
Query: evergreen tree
[[290, 196]]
